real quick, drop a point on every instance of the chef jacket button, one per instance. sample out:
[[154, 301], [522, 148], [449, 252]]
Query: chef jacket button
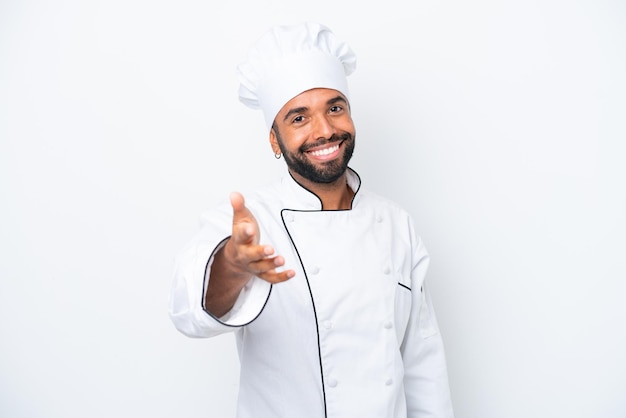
[[327, 324], [387, 270], [379, 218], [332, 382], [315, 270], [388, 382], [388, 325]]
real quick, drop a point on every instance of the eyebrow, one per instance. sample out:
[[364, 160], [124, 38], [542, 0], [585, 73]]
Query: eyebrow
[[303, 109]]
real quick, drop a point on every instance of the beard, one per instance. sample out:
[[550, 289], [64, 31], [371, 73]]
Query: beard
[[328, 171]]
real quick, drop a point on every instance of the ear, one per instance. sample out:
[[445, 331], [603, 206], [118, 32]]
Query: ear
[[274, 142]]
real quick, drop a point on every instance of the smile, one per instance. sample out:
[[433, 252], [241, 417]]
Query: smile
[[324, 151]]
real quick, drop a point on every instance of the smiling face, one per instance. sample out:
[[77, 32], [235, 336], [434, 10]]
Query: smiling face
[[315, 133]]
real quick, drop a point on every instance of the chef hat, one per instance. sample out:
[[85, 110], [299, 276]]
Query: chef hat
[[288, 60]]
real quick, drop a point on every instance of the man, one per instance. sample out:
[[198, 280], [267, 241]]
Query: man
[[322, 282]]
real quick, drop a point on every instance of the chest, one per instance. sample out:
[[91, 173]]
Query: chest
[[346, 259]]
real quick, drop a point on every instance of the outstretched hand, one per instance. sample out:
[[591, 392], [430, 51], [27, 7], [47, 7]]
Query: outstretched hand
[[243, 250]]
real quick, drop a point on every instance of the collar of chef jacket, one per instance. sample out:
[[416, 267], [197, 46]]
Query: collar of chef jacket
[[298, 197]]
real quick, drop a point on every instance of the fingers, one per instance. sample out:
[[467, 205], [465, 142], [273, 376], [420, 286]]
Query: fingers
[[249, 254], [257, 260], [266, 269], [277, 277], [244, 233]]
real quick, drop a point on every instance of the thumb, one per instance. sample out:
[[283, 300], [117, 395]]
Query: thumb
[[238, 203], [244, 223], [240, 211]]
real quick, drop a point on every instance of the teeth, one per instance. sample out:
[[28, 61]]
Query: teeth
[[325, 151]]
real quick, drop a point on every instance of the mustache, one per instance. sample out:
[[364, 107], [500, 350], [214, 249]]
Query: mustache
[[334, 138]]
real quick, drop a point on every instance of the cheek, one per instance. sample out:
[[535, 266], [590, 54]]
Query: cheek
[[293, 141], [346, 124]]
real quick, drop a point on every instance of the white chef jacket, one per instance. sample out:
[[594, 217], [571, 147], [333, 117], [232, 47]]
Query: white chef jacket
[[353, 334]]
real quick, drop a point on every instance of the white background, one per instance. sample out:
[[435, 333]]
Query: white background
[[499, 125]]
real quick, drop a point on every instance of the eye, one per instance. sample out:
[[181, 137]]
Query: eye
[[297, 119], [335, 109]]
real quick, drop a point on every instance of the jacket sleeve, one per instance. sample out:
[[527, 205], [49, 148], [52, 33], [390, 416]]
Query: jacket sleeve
[[191, 274], [425, 369]]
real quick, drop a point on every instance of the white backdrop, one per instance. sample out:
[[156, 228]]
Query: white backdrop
[[499, 125]]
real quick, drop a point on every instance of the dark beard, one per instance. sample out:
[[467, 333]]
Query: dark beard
[[330, 171]]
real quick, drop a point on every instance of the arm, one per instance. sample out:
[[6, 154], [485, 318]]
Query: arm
[[240, 259], [208, 270], [426, 378]]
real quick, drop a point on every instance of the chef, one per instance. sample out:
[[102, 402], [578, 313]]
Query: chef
[[321, 281]]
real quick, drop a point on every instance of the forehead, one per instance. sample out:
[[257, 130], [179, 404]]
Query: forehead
[[313, 98]]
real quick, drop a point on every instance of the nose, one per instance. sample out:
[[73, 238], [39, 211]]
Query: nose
[[323, 127]]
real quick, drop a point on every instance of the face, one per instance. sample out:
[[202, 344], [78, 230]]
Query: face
[[315, 133]]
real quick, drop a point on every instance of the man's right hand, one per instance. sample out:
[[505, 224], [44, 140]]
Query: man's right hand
[[241, 258], [243, 251]]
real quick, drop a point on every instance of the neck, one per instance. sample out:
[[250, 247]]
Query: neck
[[334, 196]]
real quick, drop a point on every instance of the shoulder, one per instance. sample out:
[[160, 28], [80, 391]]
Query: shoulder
[[397, 217], [369, 199]]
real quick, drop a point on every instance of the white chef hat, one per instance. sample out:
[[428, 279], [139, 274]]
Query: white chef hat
[[288, 60]]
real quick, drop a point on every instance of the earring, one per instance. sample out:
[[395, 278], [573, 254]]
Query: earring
[[277, 156]]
